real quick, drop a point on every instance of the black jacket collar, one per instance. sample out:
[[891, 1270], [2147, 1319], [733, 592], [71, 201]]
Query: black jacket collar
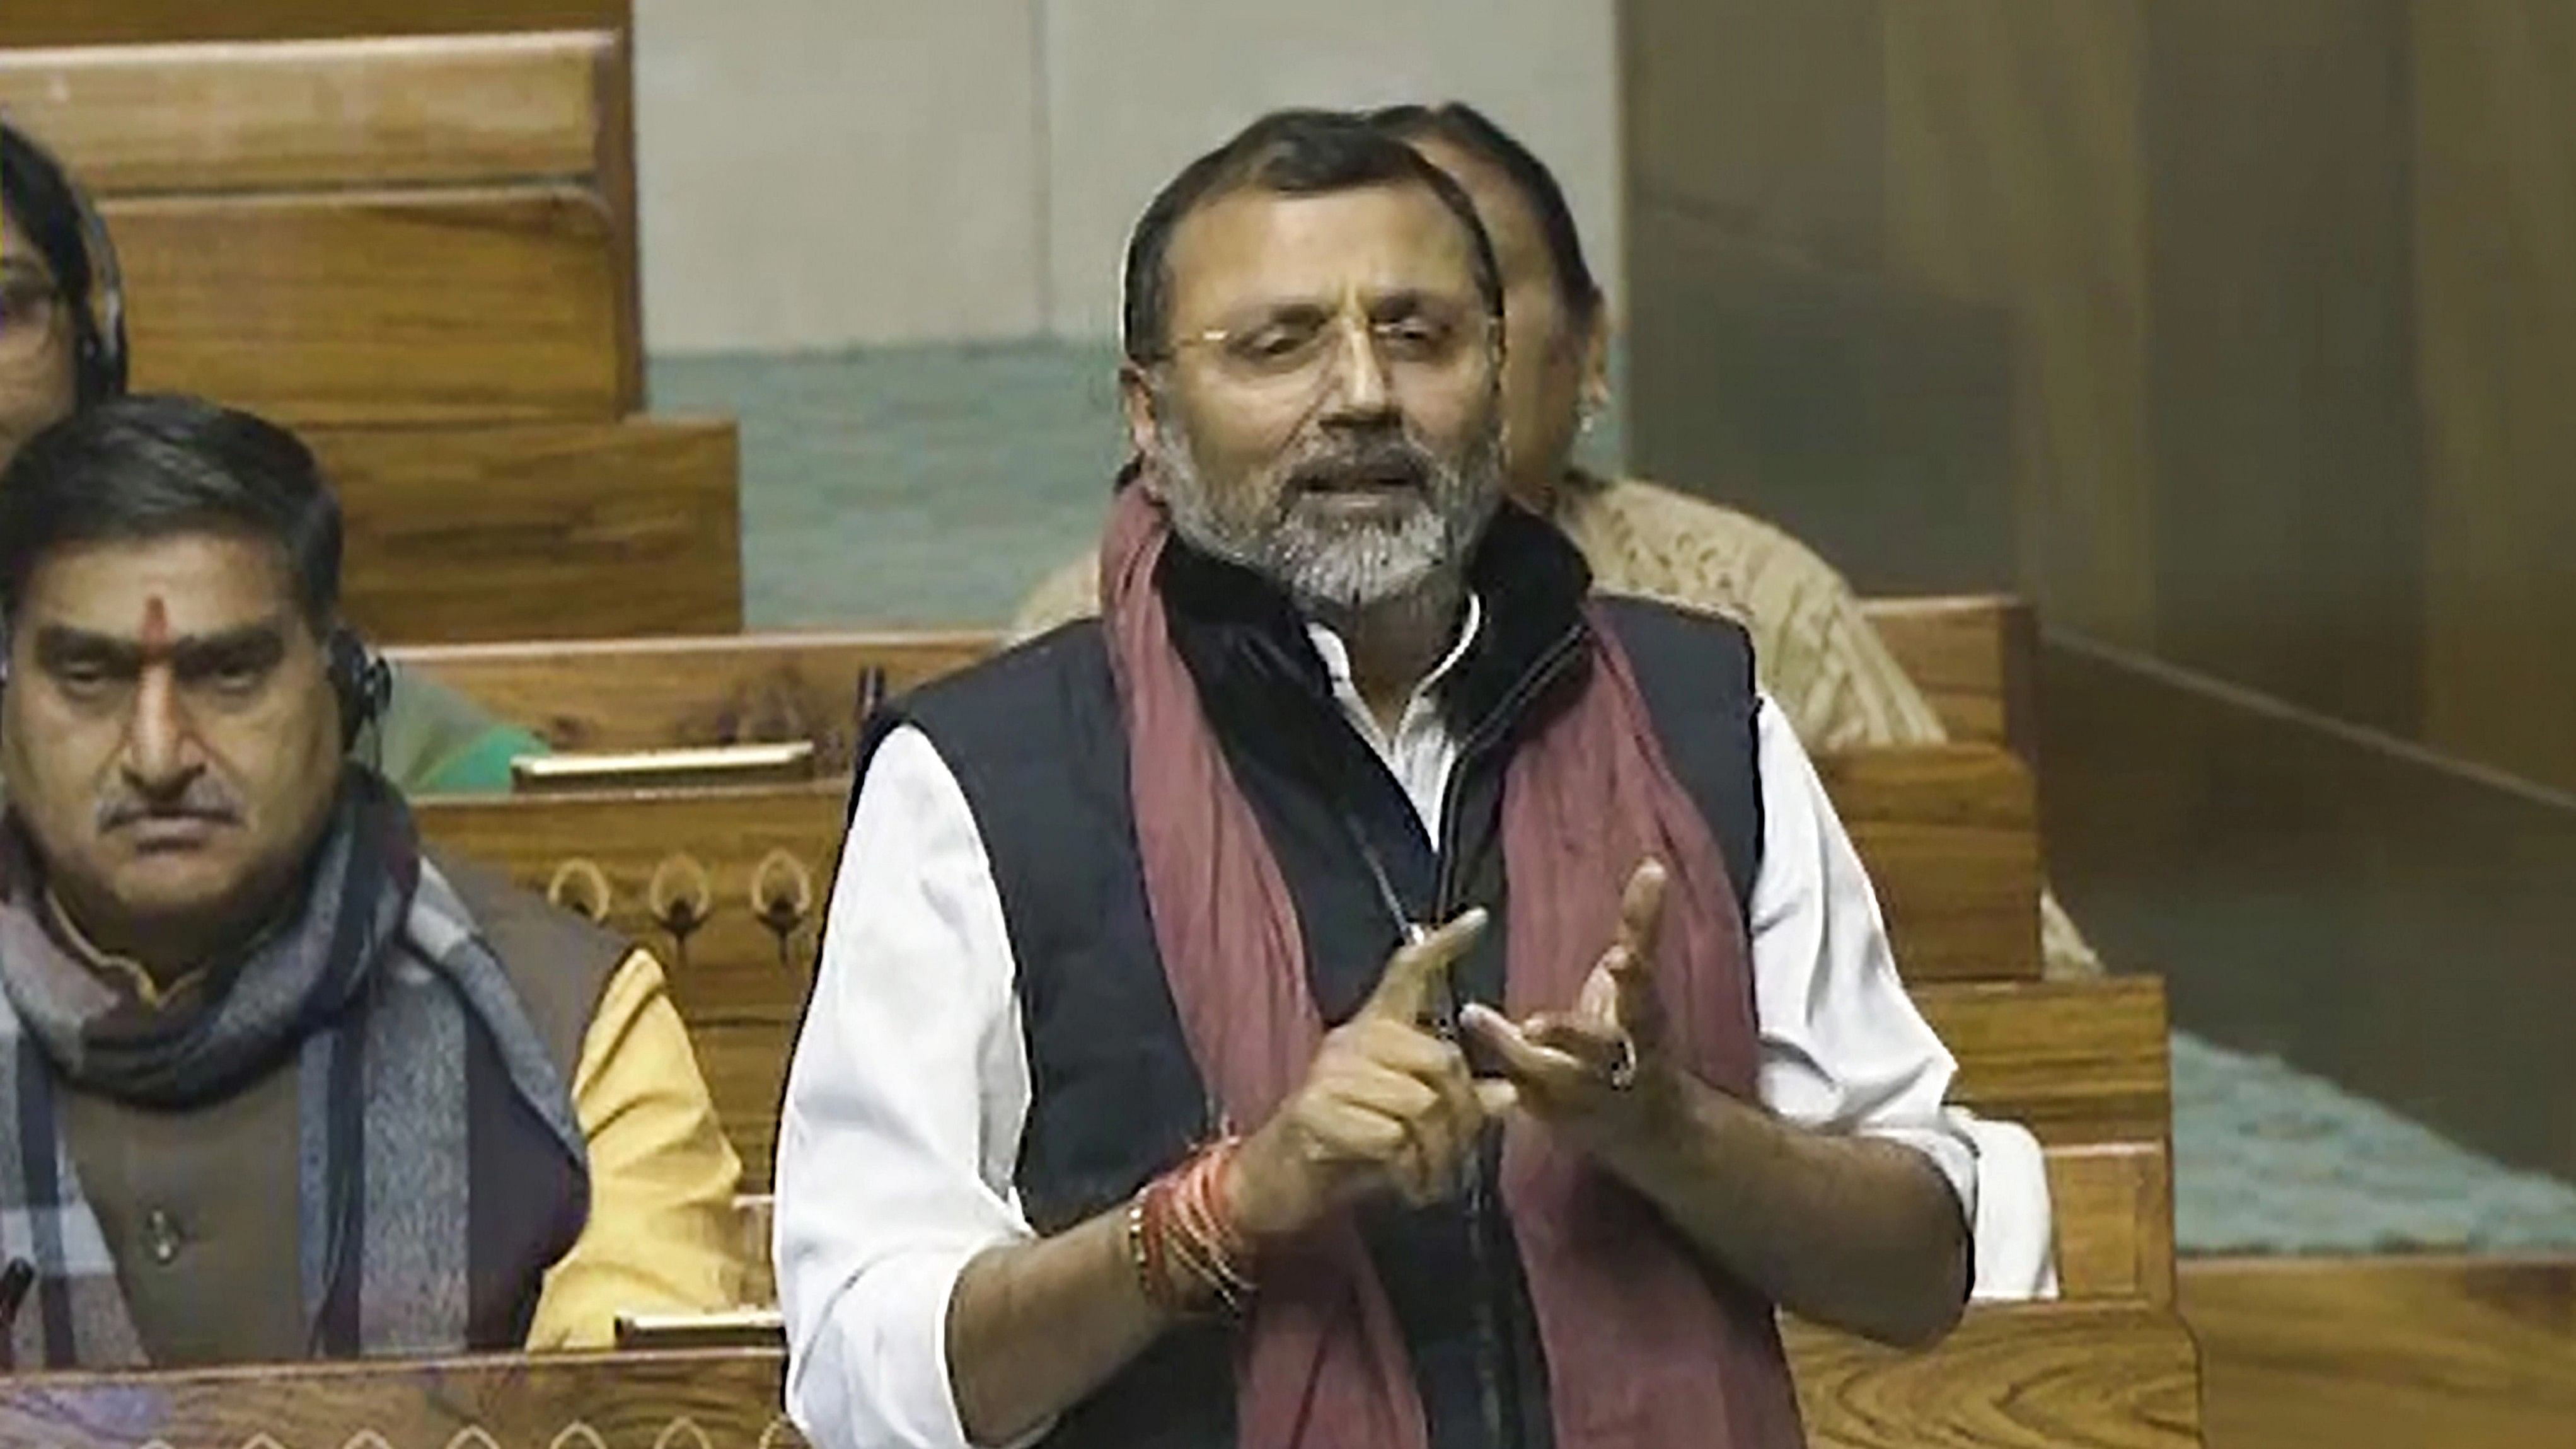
[[1243, 638]]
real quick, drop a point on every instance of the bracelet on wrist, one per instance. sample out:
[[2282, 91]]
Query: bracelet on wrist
[[1187, 1253]]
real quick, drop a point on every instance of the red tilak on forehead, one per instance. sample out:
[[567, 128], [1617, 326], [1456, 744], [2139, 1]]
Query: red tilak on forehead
[[156, 625]]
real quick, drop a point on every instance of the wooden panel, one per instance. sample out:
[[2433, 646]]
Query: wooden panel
[[2386, 1353], [756, 1213], [101, 22], [1951, 838], [2036, 1376], [2113, 1202], [572, 529], [1760, 117], [2074, 1061], [729, 1398], [395, 307], [632, 694], [1975, 658], [740, 983], [208, 118], [2285, 427], [2015, 178], [1946, 831], [2023, 1376], [2495, 268], [2393, 921], [2080, 1062], [2011, 1376], [2113, 1205], [1871, 421]]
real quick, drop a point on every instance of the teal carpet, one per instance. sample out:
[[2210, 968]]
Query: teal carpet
[[931, 485]]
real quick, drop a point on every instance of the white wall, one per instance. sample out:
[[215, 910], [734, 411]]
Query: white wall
[[824, 173], [817, 173]]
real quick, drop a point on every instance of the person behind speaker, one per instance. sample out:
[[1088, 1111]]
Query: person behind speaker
[[63, 345], [1832, 676], [284, 1083]]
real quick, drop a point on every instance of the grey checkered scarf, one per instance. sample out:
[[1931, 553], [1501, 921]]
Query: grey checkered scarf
[[373, 989]]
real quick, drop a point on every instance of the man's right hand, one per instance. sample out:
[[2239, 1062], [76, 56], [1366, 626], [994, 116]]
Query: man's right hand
[[1387, 1106]]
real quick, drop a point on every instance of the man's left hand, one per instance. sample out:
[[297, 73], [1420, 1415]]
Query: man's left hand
[[1600, 1071]]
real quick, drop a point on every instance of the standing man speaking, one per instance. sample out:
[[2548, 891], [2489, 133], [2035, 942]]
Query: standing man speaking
[[1363, 989]]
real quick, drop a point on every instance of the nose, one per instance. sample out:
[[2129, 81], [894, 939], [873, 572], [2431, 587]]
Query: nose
[[161, 753], [1361, 389]]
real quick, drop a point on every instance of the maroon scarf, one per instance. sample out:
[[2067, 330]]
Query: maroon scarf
[[1646, 1346]]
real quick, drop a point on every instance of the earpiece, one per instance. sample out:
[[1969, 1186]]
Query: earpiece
[[363, 683], [99, 358]]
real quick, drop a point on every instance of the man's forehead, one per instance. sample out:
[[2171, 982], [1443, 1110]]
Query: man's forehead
[[184, 587], [1255, 246]]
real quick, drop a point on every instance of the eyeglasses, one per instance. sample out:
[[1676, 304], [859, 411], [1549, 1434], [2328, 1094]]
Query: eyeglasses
[[28, 302], [1301, 349]]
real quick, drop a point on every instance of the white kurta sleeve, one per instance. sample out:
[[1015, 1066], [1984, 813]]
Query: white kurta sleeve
[[903, 1113], [1843, 1049]]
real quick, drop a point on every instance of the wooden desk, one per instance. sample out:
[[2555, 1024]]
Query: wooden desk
[[2035, 1376], [2084, 1064]]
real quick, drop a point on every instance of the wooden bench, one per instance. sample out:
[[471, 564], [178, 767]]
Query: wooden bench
[[422, 251], [2084, 1064], [1970, 655], [323, 115], [717, 689], [1945, 831], [1975, 656], [92, 22], [684, 1400], [575, 529], [2061, 1375], [1950, 835], [371, 231], [499, 304]]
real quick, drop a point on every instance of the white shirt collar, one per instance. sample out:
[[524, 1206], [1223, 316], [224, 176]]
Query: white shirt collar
[[1337, 655]]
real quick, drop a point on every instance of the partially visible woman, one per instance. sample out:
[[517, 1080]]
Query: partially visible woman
[[1815, 650], [62, 347]]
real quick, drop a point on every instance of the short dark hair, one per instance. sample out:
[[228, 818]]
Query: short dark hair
[[1474, 132], [154, 466], [1292, 153]]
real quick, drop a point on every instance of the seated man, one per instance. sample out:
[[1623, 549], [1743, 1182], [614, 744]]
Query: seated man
[[62, 345], [281, 1084], [1817, 654], [1365, 990]]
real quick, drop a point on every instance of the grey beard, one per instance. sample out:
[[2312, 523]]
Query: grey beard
[[1338, 569]]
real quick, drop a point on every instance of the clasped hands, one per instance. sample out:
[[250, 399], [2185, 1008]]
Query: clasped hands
[[1391, 1106]]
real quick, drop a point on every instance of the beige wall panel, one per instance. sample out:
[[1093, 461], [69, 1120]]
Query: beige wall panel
[[1765, 118], [1138, 87], [2495, 238], [2015, 177], [822, 173]]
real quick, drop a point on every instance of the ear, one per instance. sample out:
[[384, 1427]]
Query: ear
[[1136, 405], [1597, 336]]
